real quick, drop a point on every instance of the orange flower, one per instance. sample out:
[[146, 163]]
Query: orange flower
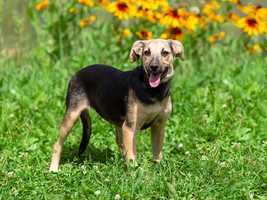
[[221, 34], [88, 3], [213, 38], [126, 32], [92, 19], [255, 48], [42, 5], [122, 9], [251, 25], [144, 34], [84, 22]]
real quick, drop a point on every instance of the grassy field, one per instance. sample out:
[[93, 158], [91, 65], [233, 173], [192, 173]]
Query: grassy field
[[219, 117], [215, 141]]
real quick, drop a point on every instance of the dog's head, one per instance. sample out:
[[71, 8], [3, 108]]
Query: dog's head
[[157, 58]]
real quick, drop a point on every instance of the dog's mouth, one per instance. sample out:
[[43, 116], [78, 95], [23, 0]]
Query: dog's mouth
[[155, 78]]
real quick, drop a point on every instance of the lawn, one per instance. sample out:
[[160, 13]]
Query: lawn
[[215, 139]]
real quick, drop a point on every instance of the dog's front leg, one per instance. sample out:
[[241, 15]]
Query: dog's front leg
[[157, 136], [129, 143], [157, 129]]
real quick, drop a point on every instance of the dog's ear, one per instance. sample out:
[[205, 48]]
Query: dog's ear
[[136, 50], [178, 48]]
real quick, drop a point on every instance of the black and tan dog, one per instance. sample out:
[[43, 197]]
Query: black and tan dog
[[131, 100]]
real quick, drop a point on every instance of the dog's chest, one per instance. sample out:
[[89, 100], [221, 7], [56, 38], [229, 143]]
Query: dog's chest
[[147, 114]]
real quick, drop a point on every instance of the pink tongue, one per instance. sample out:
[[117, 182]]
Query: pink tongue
[[154, 80]]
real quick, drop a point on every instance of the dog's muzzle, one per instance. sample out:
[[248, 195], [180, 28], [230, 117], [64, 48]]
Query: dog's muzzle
[[156, 74]]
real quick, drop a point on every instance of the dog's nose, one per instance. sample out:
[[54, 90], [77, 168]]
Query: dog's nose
[[154, 68]]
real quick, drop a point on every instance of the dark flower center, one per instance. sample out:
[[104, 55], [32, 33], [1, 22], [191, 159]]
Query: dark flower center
[[122, 6], [144, 34], [174, 13], [177, 31], [251, 22]]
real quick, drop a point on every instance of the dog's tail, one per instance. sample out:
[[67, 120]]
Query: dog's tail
[[86, 121]]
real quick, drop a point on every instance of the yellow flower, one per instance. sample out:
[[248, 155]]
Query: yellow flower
[[213, 38], [173, 33], [221, 34], [84, 22], [42, 5], [251, 25], [92, 19], [191, 22], [142, 13], [174, 17], [255, 11], [147, 4], [122, 9], [210, 10], [88, 3], [255, 48], [162, 3], [207, 9], [103, 3], [73, 10], [261, 13], [144, 34], [215, 4], [125, 33], [237, 2], [203, 22], [164, 36]]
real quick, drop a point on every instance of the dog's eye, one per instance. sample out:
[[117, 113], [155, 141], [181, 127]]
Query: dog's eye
[[147, 53], [165, 53]]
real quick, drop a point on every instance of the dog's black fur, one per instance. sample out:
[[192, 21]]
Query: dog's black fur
[[107, 90]]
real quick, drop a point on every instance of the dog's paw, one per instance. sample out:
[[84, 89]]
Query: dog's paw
[[54, 169]]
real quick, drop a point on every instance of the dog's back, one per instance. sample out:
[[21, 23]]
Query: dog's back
[[103, 88]]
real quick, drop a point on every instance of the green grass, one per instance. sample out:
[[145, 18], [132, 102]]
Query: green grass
[[219, 96]]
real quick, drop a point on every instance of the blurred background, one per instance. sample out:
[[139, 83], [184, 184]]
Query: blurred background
[[25, 23]]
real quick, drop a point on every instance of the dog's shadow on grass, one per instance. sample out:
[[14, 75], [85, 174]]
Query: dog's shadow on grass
[[93, 154]]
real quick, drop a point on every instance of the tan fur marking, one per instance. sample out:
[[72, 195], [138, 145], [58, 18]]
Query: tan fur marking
[[157, 128], [68, 122], [156, 46]]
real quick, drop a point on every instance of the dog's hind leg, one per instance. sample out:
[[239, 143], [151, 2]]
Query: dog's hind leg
[[119, 137], [86, 121], [70, 119]]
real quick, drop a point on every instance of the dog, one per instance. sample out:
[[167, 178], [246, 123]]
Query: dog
[[131, 101]]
